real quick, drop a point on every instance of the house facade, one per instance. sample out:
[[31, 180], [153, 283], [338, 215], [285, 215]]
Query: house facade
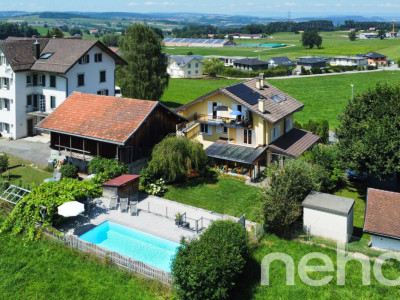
[[382, 219], [37, 75], [374, 59], [244, 127], [250, 64], [352, 61], [181, 66]]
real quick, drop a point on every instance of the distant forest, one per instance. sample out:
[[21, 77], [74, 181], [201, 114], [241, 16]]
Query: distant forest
[[22, 30], [198, 31]]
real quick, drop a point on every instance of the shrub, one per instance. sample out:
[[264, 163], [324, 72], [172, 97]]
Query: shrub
[[370, 68], [398, 63], [349, 68], [316, 70], [3, 163], [50, 195], [106, 169], [336, 69], [320, 128], [69, 171], [289, 185], [208, 268], [326, 70]]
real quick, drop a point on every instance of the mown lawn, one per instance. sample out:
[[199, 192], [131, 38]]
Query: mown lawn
[[224, 195], [25, 175], [325, 97], [182, 91], [48, 270]]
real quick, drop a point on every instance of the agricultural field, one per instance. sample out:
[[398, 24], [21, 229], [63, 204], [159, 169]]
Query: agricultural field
[[325, 97], [334, 43]]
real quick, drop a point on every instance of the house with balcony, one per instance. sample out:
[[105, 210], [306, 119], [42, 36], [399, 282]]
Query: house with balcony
[[37, 75], [246, 126], [352, 61]]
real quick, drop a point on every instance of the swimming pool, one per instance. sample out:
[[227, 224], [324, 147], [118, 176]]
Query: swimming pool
[[150, 249]]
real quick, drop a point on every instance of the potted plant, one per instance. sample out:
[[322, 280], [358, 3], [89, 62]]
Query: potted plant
[[178, 219]]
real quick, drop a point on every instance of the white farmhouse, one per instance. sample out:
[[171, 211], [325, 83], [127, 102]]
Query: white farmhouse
[[328, 216], [382, 219], [37, 75], [185, 66]]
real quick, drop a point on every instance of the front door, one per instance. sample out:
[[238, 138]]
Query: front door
[[30, 127]]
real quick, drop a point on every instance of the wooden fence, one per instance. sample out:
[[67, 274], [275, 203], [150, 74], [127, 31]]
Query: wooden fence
[[120, 260]]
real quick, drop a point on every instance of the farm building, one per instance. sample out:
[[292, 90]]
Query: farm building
[[87, 125], [382, 219], [208, 43], [328, 216]]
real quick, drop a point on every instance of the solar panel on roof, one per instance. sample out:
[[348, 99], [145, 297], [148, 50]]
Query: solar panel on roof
[[209, 41], [245, 93], [199, 41], [168, 39]]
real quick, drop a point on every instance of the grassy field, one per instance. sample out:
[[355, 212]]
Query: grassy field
[[225, 196], [182, 91], [334, 43], [26, 175]]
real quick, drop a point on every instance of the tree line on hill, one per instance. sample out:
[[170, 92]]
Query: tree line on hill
[[22, 30], [201, 31]]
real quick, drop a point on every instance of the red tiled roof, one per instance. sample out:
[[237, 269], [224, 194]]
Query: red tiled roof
[[98, 117], [382, 213], [294, 143], [121, 180]]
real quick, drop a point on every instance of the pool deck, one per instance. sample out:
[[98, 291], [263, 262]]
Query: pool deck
[[155, 216]]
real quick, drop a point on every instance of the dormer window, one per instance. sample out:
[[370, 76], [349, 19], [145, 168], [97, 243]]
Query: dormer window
[[84, 59]]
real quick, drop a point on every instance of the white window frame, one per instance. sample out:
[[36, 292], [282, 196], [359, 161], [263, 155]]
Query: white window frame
[[103, 92], [275, 133], [288, 125], [84, 59], [42, 79], [29, 80], [5, 83]]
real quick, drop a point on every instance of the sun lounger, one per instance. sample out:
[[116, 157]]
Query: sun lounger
[[123, 203], [113, 202]]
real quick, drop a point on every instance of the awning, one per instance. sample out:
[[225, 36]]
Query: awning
[[294, 143], [235, 153]]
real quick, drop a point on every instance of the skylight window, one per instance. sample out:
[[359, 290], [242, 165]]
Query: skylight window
[[276, 99], [281, 97], [46, 55]]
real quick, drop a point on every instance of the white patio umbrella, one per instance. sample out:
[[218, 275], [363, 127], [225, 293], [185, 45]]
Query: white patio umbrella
[[71, 209]]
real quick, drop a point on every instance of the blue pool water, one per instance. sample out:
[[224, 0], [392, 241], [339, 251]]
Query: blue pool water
[[150, 249]]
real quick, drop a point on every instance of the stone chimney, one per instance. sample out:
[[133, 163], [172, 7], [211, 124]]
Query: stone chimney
[[261, 80], [261, 105], [36, 49]]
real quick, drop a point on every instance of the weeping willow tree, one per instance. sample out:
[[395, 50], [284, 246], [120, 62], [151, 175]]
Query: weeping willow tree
[[174, 158]]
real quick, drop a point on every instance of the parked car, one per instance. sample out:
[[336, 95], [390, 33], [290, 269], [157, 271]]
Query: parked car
[[354, 176], [118, 92]]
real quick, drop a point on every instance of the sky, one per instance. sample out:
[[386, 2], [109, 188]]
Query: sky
[[273, 8]]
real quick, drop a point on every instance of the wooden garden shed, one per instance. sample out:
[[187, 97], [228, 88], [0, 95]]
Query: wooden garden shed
[[124, 186]]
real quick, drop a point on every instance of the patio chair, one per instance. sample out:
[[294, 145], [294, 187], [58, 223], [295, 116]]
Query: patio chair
[[133, 208], [123, 203], [113, 202]]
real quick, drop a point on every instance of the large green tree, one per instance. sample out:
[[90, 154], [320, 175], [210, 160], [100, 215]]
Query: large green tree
[[145, 76], [213, 66], [369, 133], [352, 36], [311, 38]]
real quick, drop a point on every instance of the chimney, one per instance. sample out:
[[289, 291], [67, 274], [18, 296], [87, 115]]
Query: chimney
[[36, 49], [261, 105], [260, 81]]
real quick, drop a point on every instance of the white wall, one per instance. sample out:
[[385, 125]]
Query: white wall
[[183, 72], [327, 224], [385, 243], [8, 116]]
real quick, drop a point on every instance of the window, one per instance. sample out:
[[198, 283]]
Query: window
[[196, 65], [6, 127], [204, 128], [5, 83], [102, 92], [28, 80], [81, 79], [6, 104], [189, 72], [52, 102], [46, 55], [42, 103], [189, 66], [102, 76], [288, 124], [52, 81], [34, 80], [42, 80], [98, 57], [197, 71], [84, 59], [225, 131], [247, 136], [275, 133], [29, 100]]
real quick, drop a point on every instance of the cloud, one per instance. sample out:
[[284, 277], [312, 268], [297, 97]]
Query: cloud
[[319, 4], [388, 5], [289, 4], [132, 4], [150, 3]]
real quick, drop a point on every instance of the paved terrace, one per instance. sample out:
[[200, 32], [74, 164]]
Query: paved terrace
[[160, 221]]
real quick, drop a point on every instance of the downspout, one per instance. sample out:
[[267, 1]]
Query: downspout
[[66, 85]]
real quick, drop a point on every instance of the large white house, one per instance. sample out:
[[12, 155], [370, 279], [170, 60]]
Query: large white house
[[37, 75], [352, 61], [185, 66]]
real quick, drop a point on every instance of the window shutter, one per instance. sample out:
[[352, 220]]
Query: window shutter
[[210, 129], [44, 80], [34, 79], [239, 136], [253, 137], [28, 100], [87, 58], [106, 92], [278, 131], [219, 113], [1, 101]]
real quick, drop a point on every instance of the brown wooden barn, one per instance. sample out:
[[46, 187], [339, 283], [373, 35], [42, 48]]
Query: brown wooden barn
[[87, 125]]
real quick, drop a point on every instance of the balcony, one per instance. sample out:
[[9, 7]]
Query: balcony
[[37, 112], [232, 122]]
